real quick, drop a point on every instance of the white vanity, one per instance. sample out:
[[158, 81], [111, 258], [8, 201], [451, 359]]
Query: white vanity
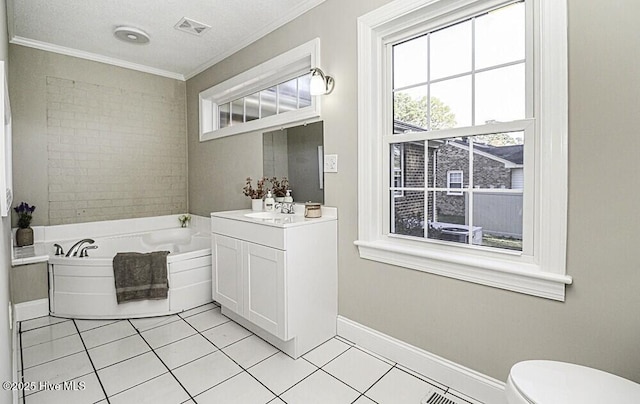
[[276, 274]]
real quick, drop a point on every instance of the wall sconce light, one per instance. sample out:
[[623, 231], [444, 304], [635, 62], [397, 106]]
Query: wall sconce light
[[320, 83]]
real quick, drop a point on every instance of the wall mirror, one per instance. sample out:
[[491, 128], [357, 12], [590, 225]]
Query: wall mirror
[[296, 153]]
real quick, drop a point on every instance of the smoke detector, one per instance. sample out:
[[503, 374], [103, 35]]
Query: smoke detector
[[193, 27], [131, 35]]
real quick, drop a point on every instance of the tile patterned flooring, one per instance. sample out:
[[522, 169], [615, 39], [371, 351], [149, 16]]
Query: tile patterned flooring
[[200, 356]]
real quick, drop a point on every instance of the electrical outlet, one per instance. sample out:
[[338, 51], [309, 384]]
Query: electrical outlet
[[330, 163]]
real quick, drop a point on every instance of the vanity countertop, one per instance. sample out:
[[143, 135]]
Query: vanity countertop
[[276, 219]]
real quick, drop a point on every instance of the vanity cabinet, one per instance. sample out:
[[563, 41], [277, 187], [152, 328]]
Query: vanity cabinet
[[250, 281], [277, 277]]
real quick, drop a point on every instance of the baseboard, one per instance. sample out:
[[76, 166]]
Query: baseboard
[[32, 309], [462, 379]]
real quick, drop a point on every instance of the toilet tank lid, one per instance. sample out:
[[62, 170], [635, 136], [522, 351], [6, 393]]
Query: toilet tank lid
[[550, 382]]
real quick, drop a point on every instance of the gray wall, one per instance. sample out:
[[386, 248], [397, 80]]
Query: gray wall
[[121, 116], [484, 328], [6, 354]]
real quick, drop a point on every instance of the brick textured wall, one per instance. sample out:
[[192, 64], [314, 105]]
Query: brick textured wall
[[113, 153], [487, 173]]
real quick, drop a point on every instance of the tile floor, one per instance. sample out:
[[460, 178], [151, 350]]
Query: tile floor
[[200, 356]]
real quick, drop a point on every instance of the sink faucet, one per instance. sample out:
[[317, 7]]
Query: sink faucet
[[284, 207], [73, 251]]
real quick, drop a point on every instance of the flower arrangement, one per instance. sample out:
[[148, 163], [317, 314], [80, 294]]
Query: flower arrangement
[[257, 193], [24, 212], [279, 187], [184, 220]]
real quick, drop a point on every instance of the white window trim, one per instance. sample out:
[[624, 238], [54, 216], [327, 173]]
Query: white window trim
[[544, 273], [281, 68], [451, 191]]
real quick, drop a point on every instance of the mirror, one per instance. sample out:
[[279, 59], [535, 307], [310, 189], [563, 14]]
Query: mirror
[[296, 153]]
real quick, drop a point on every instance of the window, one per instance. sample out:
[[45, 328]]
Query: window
[[273, 94], [454, 181], [291, 95], [480, 86]]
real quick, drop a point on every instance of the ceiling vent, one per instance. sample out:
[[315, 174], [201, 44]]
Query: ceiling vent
[[191, 26]]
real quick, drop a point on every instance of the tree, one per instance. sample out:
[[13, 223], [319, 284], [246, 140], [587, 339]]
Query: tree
[[414, 111], [499, 139]]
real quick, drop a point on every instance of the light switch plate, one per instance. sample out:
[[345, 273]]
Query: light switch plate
[[330, 163]]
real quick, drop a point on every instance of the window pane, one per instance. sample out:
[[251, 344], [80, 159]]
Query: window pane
[[252, 107], [452, 156], [451, 103], [408, 160], [500, 217], [304, 95], [223, 115], [447, 219], [237, 111], [407, 214], [498, 160], [410, 62], [500, 95], [451, 51], [410, 111], [500, 36], [268, 102], [288, 96]]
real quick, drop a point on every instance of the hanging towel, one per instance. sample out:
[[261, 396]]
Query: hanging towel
[[140, 276]]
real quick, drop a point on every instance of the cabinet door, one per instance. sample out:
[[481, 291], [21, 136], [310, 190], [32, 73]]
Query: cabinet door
[[264, 277], [227, 272]]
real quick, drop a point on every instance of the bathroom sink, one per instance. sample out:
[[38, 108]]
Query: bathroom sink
[[266, 215]]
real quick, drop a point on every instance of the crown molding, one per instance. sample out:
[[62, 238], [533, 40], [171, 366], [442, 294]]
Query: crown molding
[[32, 43]]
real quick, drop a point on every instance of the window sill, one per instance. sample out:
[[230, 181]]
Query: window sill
[[518, 277]]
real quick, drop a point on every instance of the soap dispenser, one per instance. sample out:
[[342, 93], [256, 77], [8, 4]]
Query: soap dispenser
[[288, 198], [269, 202], [287, 203]]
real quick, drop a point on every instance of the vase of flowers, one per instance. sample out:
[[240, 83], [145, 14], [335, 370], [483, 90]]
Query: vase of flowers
[[24, 234], [256, 194]]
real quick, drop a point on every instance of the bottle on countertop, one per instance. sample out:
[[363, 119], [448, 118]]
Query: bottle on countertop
[[288, 198], [269, 202]]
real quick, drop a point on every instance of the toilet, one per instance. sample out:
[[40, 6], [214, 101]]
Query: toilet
[[550, 382]]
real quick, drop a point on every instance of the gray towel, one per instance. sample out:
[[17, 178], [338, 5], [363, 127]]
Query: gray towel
[[140, 276]]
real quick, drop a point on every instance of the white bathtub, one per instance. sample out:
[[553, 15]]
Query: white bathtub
[[85, 287]]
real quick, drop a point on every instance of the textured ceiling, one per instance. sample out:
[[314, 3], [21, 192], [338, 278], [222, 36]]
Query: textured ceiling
[[84, 28]]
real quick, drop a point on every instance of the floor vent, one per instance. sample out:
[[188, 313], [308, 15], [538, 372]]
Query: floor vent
[[191, 26], [436, 398]]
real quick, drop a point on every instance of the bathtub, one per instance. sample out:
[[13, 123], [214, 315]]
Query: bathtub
[[85, 287]]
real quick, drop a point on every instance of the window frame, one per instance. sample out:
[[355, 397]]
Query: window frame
[[293, 63], [449, 182], [540, 272]]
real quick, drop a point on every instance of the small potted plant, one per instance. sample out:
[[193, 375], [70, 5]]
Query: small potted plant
[[256, 194], [24, 234], [184, 220]]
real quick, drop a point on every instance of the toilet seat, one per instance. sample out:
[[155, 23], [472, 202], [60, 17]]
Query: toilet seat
[[550, 382]]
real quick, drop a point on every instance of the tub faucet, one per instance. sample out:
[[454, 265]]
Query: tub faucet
[[73, 251], [84, 252]]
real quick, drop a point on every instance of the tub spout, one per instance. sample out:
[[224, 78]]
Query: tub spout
[[73, 251]]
